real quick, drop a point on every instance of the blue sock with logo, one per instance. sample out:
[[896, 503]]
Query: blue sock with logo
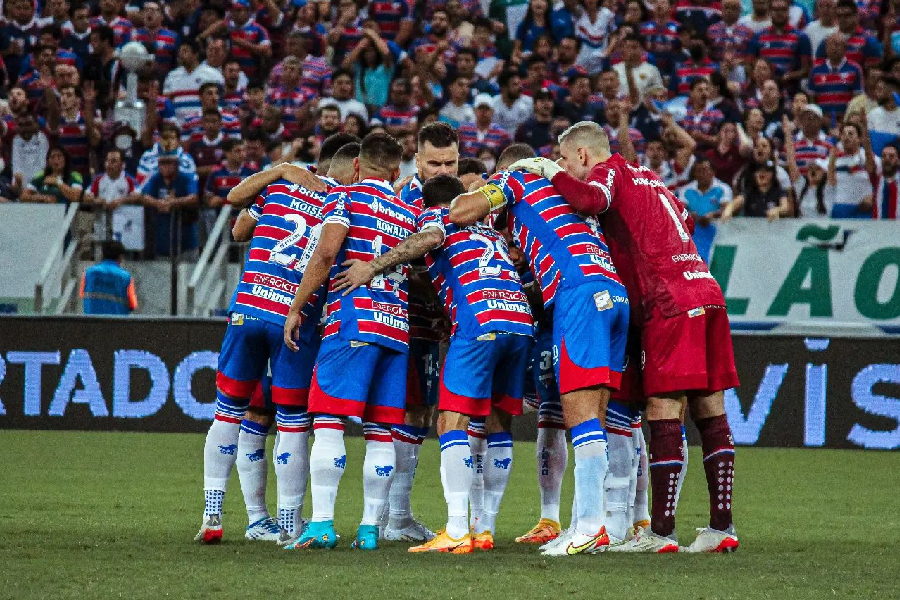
[[497, 467], [457, 468], [591, 465]]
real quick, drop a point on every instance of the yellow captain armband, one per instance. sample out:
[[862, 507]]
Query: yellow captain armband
[[494, 195]]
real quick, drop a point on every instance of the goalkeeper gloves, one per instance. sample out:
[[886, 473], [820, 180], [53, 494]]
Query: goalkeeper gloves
[[539, 166]]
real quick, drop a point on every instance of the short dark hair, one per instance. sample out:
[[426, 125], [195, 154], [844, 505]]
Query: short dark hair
[[105, 33], [112, 250], [636, 37], [535, 59], [505, 76], [339, 72], [470, 51], [212, 111], [441, 189], [381, 152], [572, 37], [471, 166], [335, 142], [115, 150], [169, 126], [229, 144], [438, 134], [207, 85], [513, 153], [697, 81], [193, 44], [53, 29], [346, 152], [847, 4], [329, 107]]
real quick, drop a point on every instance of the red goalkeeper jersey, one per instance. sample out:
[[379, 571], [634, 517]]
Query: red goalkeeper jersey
[[647, 230]]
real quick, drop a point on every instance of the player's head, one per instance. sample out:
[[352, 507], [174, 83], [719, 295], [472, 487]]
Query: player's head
[[440, 190], [513, 153], [342, 167], [112, 250], [438, 151], [471, 170], [330, 146], [582, 146], [379, 157]]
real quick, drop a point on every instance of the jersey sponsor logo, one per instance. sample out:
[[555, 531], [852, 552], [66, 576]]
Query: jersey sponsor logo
[[261, 292], [394, 309], [603, 301], [383, 208], [509, 306], [686, 258], [391, 321], [648, 182], [275, 282], [696, 312], [620, 299], [691, 275], [511, 295]]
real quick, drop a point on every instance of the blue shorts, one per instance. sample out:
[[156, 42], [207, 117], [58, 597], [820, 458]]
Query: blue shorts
[[249, 345], [358, 379], [590, 330], [484, 372], [550, 413], [424, 373]]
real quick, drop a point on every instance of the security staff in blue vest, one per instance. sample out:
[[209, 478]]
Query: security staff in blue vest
[[107, 288]]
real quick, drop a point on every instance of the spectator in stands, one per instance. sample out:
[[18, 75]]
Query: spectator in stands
[[170, 194], [762, 196], [729, 37], [77, 37], [636, 75], [511, 108], [182, 85], [759, 18], [483, 133], [836, 80], [824, 26], [812, 196], [578, 106], [886, 202], [399, 114], [704, 195], [111, 16], [329, 121], [699, 121], [885, 118], [107, 288], [850, 172], [535, 24], [457, 110], [810, 143], [536, 131], [862, 48], [772, 107], [58, 183], [342, 92], [120, 219], [672, 155], [250, 43], [289, 97], [169, 141], [18, 36], [373, 64], [29, 148], [593, 30], [725, 156], [162, 43]]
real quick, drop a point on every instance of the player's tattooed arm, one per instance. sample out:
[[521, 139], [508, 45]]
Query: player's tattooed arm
[[361, 272], [314, 277]]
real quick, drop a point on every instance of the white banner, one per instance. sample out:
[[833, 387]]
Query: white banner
[[826, 271]]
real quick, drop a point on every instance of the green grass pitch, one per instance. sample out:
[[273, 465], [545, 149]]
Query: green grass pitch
[[112, 515]]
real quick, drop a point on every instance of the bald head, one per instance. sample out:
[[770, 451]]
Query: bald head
[[582, 146]]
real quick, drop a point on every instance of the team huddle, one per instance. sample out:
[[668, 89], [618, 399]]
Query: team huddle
[[464, 293]]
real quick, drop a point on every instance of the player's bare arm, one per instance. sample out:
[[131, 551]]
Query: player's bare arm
[[243, 226], [315, 276], [361, 272], [247, 190], [471, 207]]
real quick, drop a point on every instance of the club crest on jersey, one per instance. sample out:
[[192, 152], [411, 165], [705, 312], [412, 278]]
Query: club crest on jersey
[[603, 301], [696, 312], [237, 319]]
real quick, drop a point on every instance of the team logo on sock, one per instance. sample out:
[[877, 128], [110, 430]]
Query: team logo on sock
[[229, 449], [341, 462], [469, 462], [282, 459], [257, 456], [502, 464], [384, 471]]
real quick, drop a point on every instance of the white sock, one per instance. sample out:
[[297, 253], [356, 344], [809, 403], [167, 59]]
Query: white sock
[[497, 467], [636, 435], [378, 469], [456, 478], [219, 454], [591, 464], [683, 473], [291, 465], [641, 496], [252, 468], [406, 442], [327, 461], [478, 447], [616, 484], [552, 457]]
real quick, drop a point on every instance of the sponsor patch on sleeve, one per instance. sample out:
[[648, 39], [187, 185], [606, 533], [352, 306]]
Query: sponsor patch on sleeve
[[237, 319], [602, 300]]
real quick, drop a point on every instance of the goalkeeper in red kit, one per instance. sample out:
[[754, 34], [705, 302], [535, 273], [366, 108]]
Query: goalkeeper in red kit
[[685, 335]]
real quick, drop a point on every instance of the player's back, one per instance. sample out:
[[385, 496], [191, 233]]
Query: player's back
[[645, 225], [376, 221], [476, 279], [289, 220], [562, 247]]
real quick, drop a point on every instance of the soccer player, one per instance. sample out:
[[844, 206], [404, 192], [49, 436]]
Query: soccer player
[[260, 302], [568, 257], [685, 336], [437, 154], [489, 350], [368, 329]]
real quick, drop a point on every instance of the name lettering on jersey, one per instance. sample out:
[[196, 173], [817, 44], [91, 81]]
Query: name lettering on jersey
[[647, 182], [690, 275], [686, 258], [306, 207], [391, 321], [392, 229], [640, 169], [275, 282], [620, 299], [509, 306], [272, 295]]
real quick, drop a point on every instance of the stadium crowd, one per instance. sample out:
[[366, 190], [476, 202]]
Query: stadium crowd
[[772, 109]]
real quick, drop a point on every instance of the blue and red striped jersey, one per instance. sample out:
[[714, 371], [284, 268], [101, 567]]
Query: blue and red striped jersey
[[427, 319], [73, 138], [835, 87], [34, 89], [289, 221], [192, 130], [561, 247], [706, 121], [688, 71], [249, 32], [887, 193], [661, 40], [472, 141], [862, 49], [376, 221], [723, 38], [807, 151], [122, 28], [289, 102], [393, 116], [163, 45], [699, 14], [475, 278], [223, 180], [783, 50], [389, 14]]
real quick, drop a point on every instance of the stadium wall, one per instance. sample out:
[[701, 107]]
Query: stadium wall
[[137, 374]]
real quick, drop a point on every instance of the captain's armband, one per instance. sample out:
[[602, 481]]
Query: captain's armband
[[494, 195]]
